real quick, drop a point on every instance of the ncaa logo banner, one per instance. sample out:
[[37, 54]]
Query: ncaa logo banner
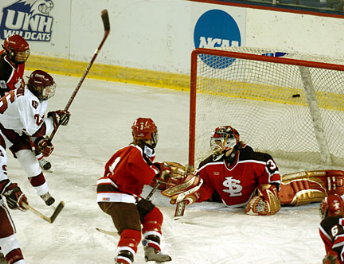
[[29, 19], [217, 29]]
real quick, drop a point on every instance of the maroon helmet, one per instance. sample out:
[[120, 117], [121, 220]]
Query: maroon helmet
[[41, 84], [17, 49], [332, 205], [145, 129]]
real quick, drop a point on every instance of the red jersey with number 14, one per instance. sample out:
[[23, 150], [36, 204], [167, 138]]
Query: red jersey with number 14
[[236, 183]]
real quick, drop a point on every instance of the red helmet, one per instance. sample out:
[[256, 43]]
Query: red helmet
[[17, 49], [145, 129], [223, 139], [41, 84], [332, 205]]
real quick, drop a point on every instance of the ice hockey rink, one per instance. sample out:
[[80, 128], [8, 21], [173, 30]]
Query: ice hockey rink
[[209, 233]]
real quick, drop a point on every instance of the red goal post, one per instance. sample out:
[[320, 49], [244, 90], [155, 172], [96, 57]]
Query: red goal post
[[291, 106]]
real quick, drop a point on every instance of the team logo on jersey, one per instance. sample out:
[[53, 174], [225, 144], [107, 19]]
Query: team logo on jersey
[[29, 19], [233, 186], [214, 29]]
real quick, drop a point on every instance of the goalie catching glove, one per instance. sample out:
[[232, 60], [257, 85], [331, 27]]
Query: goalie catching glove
[[185, 191], [266, 202]]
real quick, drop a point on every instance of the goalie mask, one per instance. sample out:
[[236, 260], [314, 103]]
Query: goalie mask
[[223, 139], [332, 205], [41, 84], [17, 49], [145, 130]]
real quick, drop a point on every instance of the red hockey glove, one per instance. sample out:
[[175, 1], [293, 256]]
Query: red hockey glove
[[15, 197], [60, 117], [266, 202], [44, 146]]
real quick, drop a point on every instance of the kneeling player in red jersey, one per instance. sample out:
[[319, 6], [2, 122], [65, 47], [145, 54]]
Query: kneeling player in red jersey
[[119, 194]]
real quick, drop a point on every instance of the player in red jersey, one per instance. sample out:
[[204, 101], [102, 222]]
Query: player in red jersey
[[332, 228], [15, 53], [119, 194]]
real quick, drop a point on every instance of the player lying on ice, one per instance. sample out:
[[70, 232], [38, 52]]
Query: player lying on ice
[[238, 176], [119, 194]]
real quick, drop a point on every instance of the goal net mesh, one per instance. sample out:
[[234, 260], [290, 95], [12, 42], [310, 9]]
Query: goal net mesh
[[291, 107]]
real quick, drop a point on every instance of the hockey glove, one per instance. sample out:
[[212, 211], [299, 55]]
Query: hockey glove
[[60, 117], [265, 202], [44, 146], [15, 197], [331, 258]]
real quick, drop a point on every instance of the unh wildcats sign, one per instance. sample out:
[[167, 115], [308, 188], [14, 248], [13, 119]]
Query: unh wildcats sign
[[29, 19]]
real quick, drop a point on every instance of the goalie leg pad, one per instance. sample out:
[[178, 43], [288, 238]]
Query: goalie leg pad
[[299, 192], [310, 186]]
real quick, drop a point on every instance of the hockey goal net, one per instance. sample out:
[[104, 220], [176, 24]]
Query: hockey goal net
[[288, 105]]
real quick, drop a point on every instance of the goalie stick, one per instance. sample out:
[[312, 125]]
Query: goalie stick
[[180, 207], [106, 23], [50, 219]]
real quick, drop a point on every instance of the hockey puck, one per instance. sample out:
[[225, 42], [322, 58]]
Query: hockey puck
[[296, 95]]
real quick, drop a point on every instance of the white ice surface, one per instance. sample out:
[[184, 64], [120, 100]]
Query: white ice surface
[[102, 114]]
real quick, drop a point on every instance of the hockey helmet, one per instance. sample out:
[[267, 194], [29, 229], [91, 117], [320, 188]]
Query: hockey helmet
[[17, 49], [332, 205], [41, 84], [223, 138], [145, 129]]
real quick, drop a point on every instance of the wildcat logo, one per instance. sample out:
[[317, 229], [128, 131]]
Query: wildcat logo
[[29, 19], [233, 186]]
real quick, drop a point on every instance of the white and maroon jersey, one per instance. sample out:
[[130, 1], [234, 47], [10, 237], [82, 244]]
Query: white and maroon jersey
[[236, 183], [11, 75], [22, 112], [332, 234], [126, 173]]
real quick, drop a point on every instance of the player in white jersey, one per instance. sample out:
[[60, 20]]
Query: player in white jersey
[[9, 244], [22, 115]]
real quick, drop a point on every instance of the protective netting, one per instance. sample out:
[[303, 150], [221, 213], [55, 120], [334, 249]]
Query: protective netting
[[290, 111]]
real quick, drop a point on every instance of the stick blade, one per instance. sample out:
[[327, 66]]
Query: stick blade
[[57, 211], [105, 18], [179, 212]]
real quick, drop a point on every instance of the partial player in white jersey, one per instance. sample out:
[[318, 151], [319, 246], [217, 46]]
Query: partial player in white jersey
[[9, 244], [22, 116]]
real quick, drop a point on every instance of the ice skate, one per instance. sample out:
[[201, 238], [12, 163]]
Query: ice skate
[[151, 254], [44, 164], [48, 199]]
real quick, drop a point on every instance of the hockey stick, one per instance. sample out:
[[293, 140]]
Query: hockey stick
[[50, 219], [106, 23], [156, 186]]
